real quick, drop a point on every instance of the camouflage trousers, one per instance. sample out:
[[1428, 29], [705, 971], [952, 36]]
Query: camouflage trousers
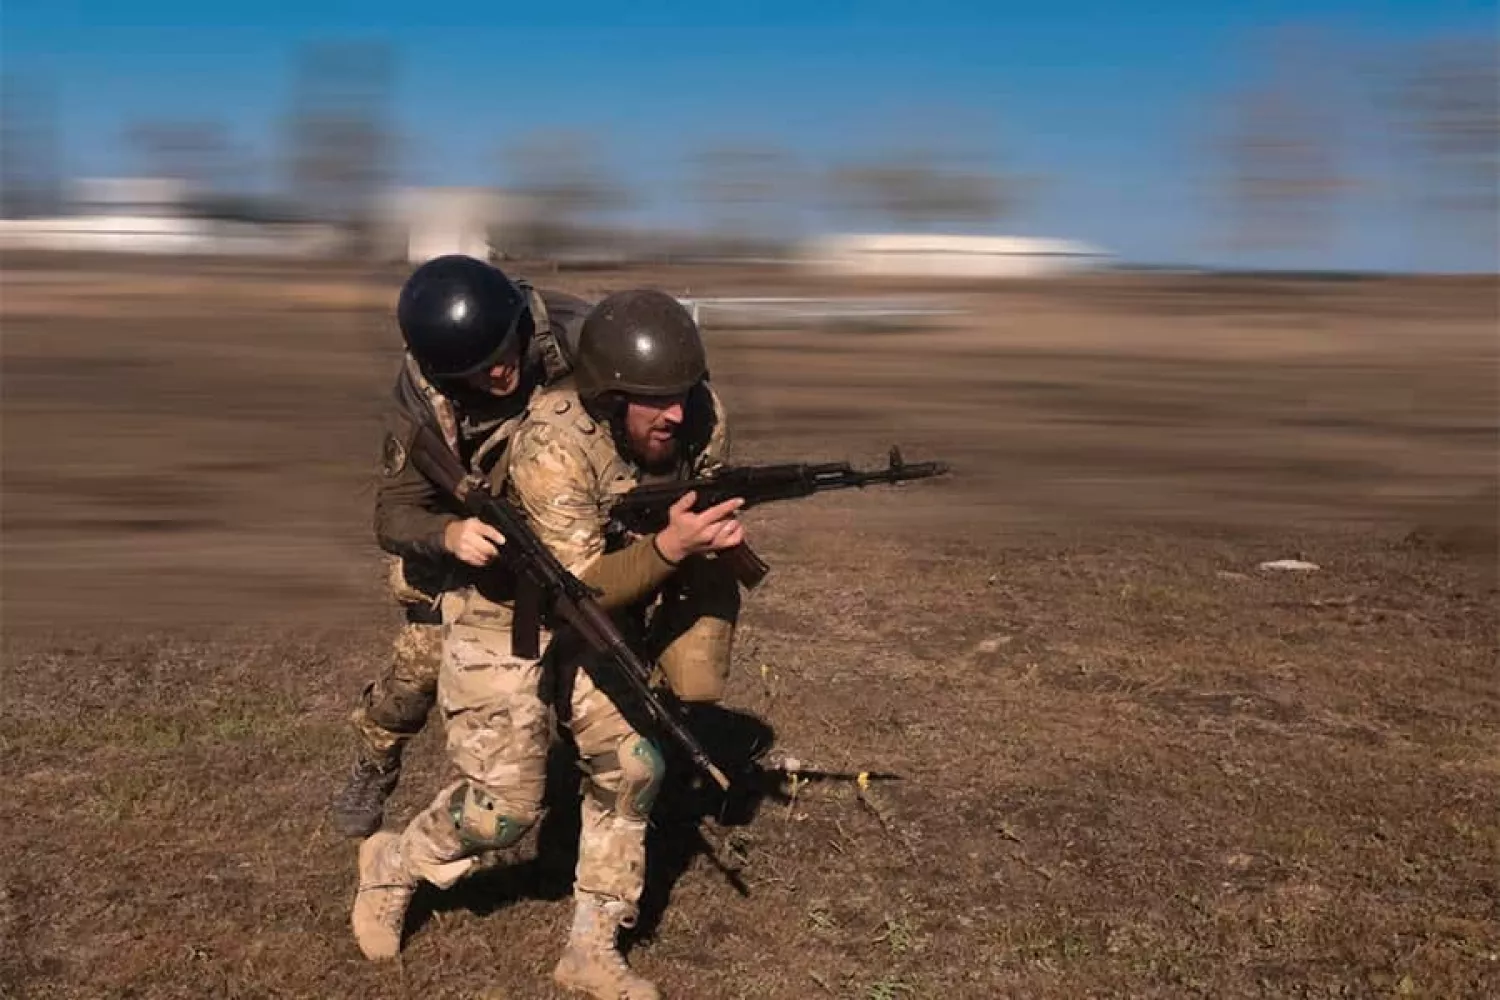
[[394, 707], [499, 718], [691, 633]]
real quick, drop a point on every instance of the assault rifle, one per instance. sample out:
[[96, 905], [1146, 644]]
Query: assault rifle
[[646, 508], [545, 585]]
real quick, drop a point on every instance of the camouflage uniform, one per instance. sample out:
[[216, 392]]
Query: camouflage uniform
[[564, 471], [691, 633], [410, 517], [692, 623]]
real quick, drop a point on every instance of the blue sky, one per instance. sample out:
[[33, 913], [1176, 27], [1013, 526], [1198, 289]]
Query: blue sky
[[1111, 103]]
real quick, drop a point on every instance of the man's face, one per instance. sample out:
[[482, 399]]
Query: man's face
[[500, 379], [651, 424]]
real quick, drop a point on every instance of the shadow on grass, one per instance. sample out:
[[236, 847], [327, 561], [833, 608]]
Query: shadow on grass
[[734, 741]]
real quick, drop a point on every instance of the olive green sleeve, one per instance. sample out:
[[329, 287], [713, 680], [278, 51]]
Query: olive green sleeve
[[410, 512], [629, 574]]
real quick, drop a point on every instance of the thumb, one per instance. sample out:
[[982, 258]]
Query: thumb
[[685, 502]]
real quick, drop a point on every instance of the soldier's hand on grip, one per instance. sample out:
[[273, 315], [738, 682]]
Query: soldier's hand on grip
[[688, 534], [473, 541]]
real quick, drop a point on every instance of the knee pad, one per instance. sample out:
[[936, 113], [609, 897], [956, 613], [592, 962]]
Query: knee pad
[[626, 779], [480, 822], [693, 630], [399, 709], [696, 663]]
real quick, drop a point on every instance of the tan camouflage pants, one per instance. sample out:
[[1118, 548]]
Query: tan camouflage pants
[[499, 728], [692, 632]]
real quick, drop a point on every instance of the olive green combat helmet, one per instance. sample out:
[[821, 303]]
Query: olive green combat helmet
[[640, 342]]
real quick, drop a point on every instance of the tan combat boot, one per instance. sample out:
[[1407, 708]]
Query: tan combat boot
[[592, 963], [385, 888]]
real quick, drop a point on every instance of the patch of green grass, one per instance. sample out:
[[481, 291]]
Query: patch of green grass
[[889, 989], [118, 797], [897, 933], [152, 732], [234, 728]]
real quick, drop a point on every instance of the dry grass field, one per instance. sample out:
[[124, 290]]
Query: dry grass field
[[1128, 762]]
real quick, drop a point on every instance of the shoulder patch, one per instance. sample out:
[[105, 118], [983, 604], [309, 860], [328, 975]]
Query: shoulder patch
[[392, 456]]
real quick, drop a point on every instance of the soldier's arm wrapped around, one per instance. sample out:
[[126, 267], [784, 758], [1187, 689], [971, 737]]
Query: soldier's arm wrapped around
[[410, 511], [553, 482]]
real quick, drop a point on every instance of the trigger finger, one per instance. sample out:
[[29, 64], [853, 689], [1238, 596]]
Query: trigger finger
[[726, 509]]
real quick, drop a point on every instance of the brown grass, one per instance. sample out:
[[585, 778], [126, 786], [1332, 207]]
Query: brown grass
[[1130, 763]]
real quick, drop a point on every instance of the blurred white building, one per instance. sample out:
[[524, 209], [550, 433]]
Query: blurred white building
[[423, 223], [154, 215], [902, 255]]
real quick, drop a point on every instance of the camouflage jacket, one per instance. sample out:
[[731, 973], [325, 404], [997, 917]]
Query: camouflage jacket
[[566, 470], [411, 512]]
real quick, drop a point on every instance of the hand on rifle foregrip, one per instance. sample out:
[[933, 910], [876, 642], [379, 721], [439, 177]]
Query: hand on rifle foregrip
[[548, 585]]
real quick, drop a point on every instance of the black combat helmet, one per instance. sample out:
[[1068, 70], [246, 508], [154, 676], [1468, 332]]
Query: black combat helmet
[[458, 315], [641, 342]]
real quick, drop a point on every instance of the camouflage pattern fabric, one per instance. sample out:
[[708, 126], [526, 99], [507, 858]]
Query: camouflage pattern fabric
[[565, 473], [499, 728], [562, 468], [394, 707]]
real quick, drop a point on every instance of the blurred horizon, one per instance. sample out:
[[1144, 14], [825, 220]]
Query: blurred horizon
[[1329, 135]]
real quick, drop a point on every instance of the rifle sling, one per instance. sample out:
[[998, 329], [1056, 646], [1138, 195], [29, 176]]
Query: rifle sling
[[526, 624]]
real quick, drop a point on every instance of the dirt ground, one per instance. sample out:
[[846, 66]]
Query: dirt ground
[[1128, 762]]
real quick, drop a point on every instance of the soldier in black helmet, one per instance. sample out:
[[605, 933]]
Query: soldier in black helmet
[[637, 405], [477, 345]]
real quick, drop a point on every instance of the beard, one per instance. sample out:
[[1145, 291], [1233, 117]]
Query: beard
[[654, 454]]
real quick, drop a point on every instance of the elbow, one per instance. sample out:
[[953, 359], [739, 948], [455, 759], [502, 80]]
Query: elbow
[[382, 532], [387, 535]]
